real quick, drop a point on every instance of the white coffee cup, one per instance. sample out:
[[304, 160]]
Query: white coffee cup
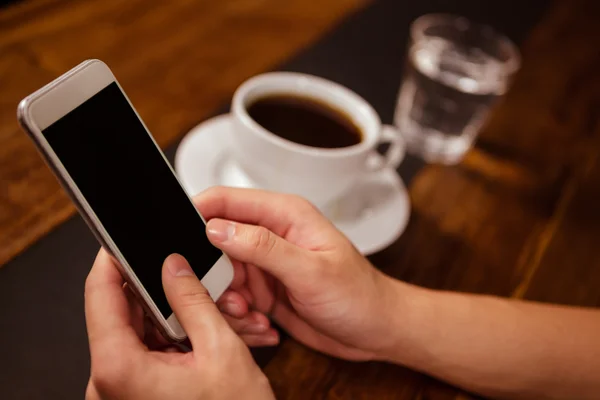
[[318, 174]]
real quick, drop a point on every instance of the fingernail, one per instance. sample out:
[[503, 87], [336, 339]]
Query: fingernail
[[178, 266], [231, 308], [272, 339], [220, 230], [256, 328]]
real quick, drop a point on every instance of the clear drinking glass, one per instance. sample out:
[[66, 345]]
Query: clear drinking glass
[[455, 71]]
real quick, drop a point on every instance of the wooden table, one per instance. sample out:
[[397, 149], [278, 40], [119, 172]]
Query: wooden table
[[519, 217]]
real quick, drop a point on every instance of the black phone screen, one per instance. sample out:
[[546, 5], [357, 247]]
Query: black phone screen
[[123, 176]]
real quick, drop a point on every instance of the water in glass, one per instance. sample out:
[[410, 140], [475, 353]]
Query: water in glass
[[444, 98]]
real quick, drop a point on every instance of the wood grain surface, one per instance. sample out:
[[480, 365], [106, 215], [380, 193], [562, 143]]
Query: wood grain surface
[[177, 60], [519, 217]]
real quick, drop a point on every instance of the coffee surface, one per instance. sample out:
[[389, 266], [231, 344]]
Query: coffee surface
[[305, 121]]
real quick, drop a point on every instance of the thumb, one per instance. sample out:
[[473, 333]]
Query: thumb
[[190, 301], [259, 246]]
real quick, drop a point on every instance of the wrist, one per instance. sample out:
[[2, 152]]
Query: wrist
[[407, 312]]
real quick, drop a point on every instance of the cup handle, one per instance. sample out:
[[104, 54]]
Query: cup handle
[[393, 156]]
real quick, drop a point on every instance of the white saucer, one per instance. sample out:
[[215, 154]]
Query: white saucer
[[372, 215]]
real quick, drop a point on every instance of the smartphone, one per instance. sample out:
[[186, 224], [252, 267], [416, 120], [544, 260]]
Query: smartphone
[[92, 138]]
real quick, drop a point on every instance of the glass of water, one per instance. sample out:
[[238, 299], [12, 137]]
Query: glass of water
[[456, 70]]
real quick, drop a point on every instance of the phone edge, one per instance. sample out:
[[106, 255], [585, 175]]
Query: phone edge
[[23, 119]]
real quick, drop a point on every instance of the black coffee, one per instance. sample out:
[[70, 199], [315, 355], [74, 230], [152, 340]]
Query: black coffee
[[305, 121]]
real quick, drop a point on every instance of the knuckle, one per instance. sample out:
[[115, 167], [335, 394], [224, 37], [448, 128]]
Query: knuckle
[[262, 240], [300, 203], [214, 191], [221, 345], [302, 206], [89, 281], [194, 297], [90, 286], [210, 193]]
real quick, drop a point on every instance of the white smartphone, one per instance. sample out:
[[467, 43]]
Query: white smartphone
[[102, 153]]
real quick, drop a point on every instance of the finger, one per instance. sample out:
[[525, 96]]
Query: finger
[[107, 310], [245, 295], [263, 285], [233, 304], [136, 313], [259, 246], [254, 322], [239, 274], [245, 292], [293, 324], [269, 338], [275, 211], [300, 330], [153, 339], [195, 310]]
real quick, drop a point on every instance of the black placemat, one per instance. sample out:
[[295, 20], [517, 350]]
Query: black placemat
[[43, 344]]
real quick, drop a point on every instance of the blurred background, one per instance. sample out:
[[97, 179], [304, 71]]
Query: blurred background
[[498, 223]]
